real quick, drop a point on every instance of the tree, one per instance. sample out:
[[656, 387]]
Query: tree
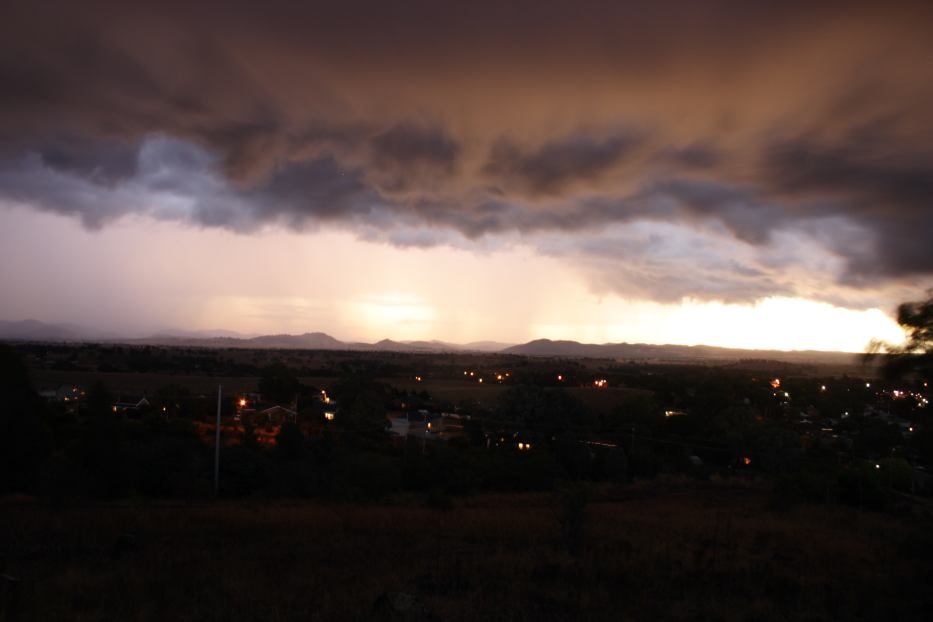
[[548, 410], [361, 403], [278, 384], [290, 442], [101, 448], [23, 438], [916, 355]]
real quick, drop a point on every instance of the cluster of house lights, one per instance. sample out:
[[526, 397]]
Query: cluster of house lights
[[500, 376]]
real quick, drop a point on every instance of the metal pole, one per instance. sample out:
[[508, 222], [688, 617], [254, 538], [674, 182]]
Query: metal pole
[[217, 447]]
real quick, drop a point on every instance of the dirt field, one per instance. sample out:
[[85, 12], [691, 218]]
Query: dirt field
[[711, 552]]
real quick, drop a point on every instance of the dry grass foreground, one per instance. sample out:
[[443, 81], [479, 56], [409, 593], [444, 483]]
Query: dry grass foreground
[[683, 552]]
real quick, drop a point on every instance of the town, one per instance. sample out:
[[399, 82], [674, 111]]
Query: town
[[503, 422]]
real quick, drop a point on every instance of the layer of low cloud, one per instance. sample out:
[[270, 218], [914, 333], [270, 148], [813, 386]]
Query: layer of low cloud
[[732, 151]]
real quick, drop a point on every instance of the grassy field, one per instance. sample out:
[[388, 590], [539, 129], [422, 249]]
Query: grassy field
[[680, 552], [597, 401], [142, 383]]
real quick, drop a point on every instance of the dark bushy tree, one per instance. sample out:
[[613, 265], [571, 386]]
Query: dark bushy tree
[[361, 403], [278, 384], [916, 355], [23, 438], [537, 408], [101, 450], [290, 443]]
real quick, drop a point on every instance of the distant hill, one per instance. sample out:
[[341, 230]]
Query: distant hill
[[32, 330], [641, 351], [486, 346], [388, 345], [307, 341], [318, 341], [198, 334]]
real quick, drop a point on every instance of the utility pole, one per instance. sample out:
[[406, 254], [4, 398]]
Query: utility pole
[[217, 447]]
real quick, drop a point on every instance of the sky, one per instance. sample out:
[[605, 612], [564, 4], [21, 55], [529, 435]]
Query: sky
[[747, 174]]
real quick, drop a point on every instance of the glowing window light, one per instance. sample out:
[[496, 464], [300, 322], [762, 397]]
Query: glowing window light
[[329, 416]]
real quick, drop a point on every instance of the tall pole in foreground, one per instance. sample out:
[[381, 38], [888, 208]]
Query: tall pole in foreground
[[217, 447]]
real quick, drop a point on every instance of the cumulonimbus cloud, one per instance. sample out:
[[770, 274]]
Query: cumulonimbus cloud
[[532, 119]]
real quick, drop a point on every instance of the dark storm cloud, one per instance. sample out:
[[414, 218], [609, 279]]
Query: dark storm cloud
[[408, 158], [558, 164], [696, 157], [101, 161], [313, 190], [749, 217], [173, 179], [406, 144], [487, 118], [886, 185], [880, 178]]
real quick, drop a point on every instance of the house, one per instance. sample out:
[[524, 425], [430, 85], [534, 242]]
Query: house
[[64, 393], [398, 425], [129, 404], [425, 424], [277, 414]]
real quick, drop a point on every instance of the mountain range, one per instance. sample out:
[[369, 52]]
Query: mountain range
[[32, 330]]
